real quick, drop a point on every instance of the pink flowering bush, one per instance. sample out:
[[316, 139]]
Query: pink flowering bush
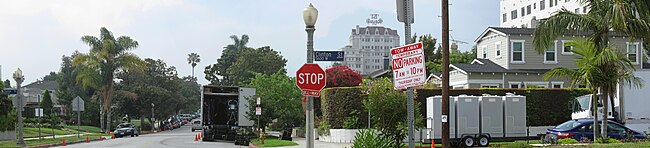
[[342, 76]]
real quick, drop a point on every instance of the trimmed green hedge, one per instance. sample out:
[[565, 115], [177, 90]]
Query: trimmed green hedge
[[338, 102], [544, 107]]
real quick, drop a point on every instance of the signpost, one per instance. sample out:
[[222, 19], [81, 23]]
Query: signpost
[[329, 55], [408, 66], [10, 91], [310, 78], [39, 114], [78, 105]]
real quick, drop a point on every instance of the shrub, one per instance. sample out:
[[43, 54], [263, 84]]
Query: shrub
[[342, 76], [367, 138], [324, 128], [352, 122], [339, 102], [608, 140], [567, 141]]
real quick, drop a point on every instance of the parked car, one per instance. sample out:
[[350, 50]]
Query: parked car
[[196, 125], [583, 128], [126, 129]]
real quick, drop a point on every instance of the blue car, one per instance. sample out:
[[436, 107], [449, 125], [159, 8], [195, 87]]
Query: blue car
[[583, 128]]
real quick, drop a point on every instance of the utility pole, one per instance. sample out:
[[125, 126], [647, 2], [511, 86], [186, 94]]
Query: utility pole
[[445, 72]]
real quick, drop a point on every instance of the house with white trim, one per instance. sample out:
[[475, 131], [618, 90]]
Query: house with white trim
[[506, 58]]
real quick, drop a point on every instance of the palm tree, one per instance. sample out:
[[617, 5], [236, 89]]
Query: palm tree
[[601, 70], [192, 59], [229, 56], [107, 56], [604, 16]]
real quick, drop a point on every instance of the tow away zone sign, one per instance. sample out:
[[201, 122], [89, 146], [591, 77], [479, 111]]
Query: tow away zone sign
[[408, 66]]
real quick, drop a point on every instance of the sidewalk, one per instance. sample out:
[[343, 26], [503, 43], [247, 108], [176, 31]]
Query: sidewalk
[[56, 136], [302, 142]]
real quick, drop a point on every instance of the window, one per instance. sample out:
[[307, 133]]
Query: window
[[534, 5], [566, 47], [550, 56], [577, 10], [632, 51], [489, 85], [542, 4], [523, 11], [505, 17], [485, 51], [513, 14], [555, 3], [517, 51], [528, 9], [514, 85], [497, 49], [584, 9], [550, 3], [557, 85]]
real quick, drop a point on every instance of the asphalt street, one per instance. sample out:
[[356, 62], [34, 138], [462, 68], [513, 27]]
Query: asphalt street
[[178, 138]]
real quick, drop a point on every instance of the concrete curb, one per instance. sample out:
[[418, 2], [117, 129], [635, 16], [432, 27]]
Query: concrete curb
[[67, 143]]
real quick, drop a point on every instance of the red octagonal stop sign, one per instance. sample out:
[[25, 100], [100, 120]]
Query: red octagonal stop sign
[[310, 78]]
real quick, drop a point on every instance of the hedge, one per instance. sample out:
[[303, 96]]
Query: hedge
[[338, 102], [544, 107]]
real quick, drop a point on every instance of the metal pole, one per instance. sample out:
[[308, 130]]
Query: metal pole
[[78, 117], [152, 117], [445, 72], [310, 100], [40, 139], [409, 101], [19, 109]]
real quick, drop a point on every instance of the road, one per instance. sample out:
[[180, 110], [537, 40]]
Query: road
[[178, 138]]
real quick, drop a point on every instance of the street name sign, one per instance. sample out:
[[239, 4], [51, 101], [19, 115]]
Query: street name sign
[[77, 104], [329, 55], [9, 91], [310, 78], [408, 66]]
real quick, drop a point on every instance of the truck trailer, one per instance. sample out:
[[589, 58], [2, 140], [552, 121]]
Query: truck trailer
[[223, 110], [478, 120]]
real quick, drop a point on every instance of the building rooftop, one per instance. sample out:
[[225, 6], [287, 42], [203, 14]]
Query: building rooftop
[[374, 30]]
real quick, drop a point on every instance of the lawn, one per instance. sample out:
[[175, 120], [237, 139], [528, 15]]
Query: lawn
[[137, 122], [33, 132], [84, 128], [37, 142], [272, 141], [523, 144]]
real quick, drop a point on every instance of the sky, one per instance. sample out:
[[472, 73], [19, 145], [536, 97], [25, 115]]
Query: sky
[[35, 34]]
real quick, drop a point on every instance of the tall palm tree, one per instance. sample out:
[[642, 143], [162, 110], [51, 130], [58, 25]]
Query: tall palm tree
[[192, 59], [229, 56], [601, 70], [629, 17], [107, 56]]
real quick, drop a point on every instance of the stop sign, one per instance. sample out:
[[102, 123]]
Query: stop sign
[[310, 78]]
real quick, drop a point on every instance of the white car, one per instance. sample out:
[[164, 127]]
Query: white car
[[196, 125]]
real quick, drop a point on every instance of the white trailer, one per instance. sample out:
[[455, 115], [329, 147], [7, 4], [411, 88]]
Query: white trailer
[[479, 120], [630, 102]]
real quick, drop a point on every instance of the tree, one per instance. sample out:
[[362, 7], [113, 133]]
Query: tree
[[7, 84], [604, 16], [280, 100], [46, 103], [342, 76], [250, 61], [50, 77], [97, 68], [388, 110], [429, 46], [228, 57], [598, 69], [192, 59]]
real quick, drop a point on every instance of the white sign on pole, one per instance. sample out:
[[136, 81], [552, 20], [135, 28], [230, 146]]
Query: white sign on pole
[[444, 118], [258, 111], [408, 66], [39, 112], [77, 104]]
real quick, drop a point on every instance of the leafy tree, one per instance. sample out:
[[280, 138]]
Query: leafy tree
[[342, 76], [7, 84], [50, 77], [5, 103], [598, 69], [388, 108], [107, 55], [262, 60], [280, 100], [228, 57], [68, 89], [192, 59], [429, 46], [46, 103]]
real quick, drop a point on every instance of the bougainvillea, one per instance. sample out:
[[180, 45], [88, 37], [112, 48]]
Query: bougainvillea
[[342, 76]]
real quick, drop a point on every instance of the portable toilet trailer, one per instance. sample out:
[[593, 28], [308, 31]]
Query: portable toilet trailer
[[434, 117], [515, 115], [492, 115], [467, 115]]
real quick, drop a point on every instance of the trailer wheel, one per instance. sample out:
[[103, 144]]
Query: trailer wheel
[[467, 141], [483, 141]]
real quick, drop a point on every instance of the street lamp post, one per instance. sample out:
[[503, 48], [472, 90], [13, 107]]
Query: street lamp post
[[310, 15], [18, 76], [152, 117]]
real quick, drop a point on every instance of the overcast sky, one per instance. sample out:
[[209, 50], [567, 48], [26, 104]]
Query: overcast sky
[[34, 34]]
